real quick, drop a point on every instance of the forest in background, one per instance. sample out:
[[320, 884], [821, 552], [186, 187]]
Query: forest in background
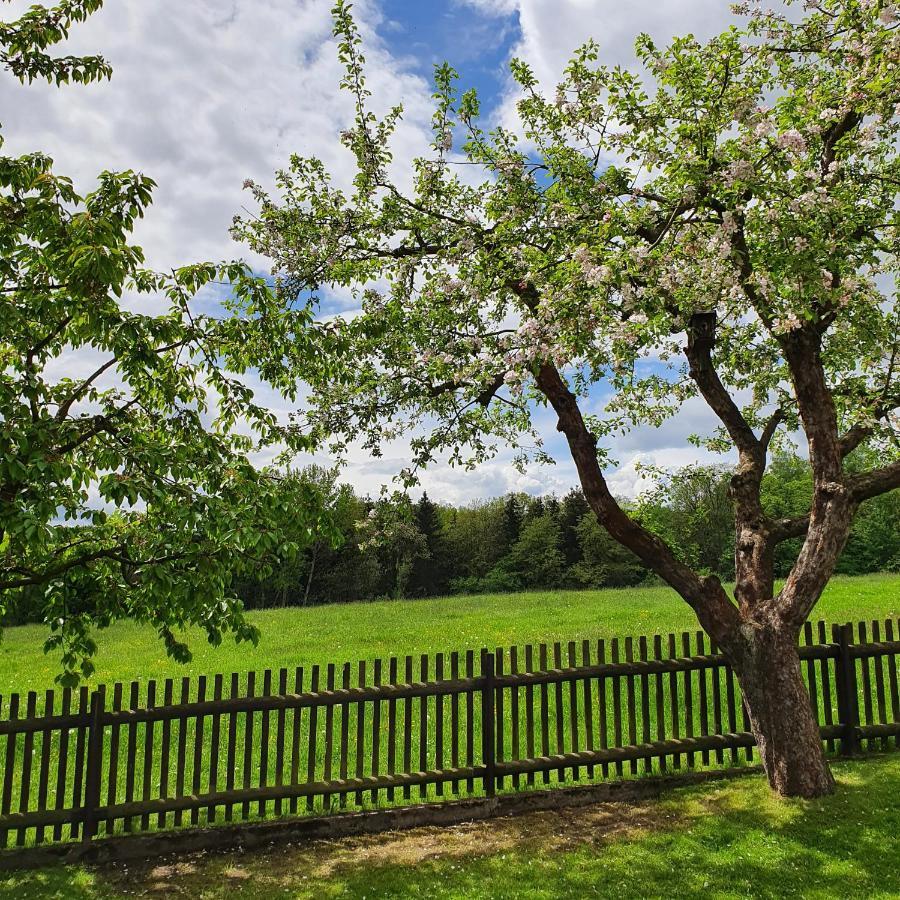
[[396, 547]]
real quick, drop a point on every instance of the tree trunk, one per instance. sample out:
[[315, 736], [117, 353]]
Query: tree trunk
[[780, 711], [312, 569]]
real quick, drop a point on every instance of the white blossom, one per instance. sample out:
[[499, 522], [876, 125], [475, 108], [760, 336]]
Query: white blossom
[[792, 140]]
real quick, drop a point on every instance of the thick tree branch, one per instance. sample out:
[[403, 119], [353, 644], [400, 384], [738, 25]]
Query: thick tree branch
[[857, 434], [707, 598], [701, 340], [770, 428]]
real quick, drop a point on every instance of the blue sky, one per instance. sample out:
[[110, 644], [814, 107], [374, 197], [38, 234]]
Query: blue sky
[[476, 43], [208, 93]]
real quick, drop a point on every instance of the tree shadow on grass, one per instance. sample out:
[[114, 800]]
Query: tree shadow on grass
[[735, 840], [729, 839]]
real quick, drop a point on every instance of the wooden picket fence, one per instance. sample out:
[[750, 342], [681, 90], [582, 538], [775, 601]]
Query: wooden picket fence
[[113, 760]]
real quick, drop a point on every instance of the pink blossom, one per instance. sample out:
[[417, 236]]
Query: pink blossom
[[739, 170], [792, 140]]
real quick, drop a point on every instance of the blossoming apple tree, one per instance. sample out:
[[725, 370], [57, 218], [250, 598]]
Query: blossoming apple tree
[[722, 225]]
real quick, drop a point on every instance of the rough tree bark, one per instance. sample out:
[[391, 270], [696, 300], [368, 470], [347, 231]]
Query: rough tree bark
[[767, 667]]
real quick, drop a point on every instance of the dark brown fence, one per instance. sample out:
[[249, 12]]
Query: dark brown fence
[[147, 757]]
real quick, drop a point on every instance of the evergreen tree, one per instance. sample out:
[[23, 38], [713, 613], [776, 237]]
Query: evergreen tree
[[534, 509], [428, 577], [512, 521], [536, 558], [572, 510]]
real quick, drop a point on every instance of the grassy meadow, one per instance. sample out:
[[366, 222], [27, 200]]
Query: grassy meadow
[[348, 632]]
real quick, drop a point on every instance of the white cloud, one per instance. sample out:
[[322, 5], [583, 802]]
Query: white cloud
[[204, 95], [552, 29]]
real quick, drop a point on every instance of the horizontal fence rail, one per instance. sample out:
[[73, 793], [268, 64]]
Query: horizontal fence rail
[[77, 765]]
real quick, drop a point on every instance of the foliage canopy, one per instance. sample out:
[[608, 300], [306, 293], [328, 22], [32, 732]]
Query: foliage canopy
[[126, 488]]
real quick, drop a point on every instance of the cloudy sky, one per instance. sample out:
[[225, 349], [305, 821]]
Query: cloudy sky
[[208, 93]]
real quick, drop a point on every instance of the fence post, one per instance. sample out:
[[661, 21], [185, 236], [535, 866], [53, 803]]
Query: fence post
[[488, 742], [848, 697], [94, 765]]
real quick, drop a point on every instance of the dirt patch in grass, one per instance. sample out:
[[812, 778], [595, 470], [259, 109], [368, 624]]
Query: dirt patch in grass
[[285, 866]]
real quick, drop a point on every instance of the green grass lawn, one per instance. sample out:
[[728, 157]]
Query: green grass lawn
[[727, 839], [347, 632]]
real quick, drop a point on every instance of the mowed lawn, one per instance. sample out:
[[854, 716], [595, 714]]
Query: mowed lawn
[[348, 632], [727, 839]]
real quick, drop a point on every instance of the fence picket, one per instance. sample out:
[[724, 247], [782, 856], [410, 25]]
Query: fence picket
[[732, 711], [558, 709], [632, 705], [247, 757], [345, 728], [601, 703], [407, 726], [263, 741], [529, 710], [514, 711], [470, 718], [9, 766], [131, 751], [439, 721], [182, 744], [454, 720], [573, 708], [703, 699], [311, 751], [688, 698], [660, 699], [879, 683], [231, 755], [892, 680], [147, 778], [214, 739], [81, 740], [113, 774], [617, 701], [545, 710], [360, 727], [825, 669], [498, 711], [44, 767], [392, 726], [296, 729], [27, 751], [280, 724], [329, 734], [62, 763], [168, 690], [376, 729], [673, 702], [645, 703], [423, 726], [866, 682]]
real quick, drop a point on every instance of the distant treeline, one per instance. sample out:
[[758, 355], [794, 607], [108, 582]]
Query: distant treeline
[[394, 548]]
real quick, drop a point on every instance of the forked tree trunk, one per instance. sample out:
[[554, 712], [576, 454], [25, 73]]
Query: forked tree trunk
[[761, 648], [780, 712]]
